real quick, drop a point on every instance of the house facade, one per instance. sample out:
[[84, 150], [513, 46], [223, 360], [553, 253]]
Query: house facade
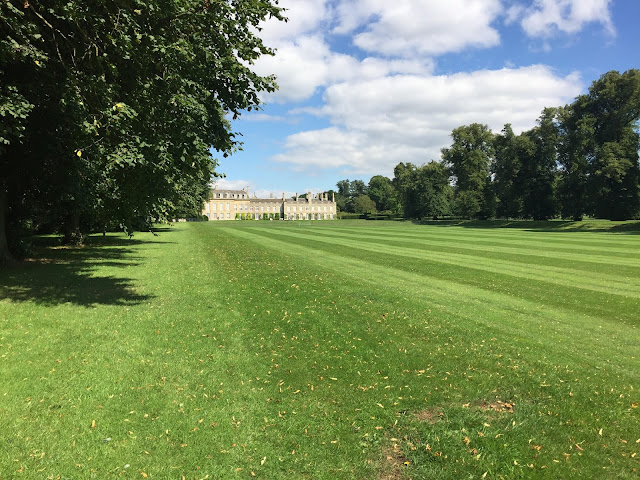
[[235, 204]]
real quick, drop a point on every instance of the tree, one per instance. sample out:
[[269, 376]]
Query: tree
[[344, 188], [433, 195], [539, 151], [506, 169], [599, 152], [348, 191], [358, 187], [403, 184], [613, 102], [424, 190], [363, 205], [468, 159], [381, 191], [114, 107]]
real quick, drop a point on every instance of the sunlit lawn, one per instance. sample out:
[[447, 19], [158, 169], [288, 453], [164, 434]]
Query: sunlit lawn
[[344, 349]]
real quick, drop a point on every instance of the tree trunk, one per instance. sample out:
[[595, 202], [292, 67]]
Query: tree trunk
[[5, 256], [72, 234]]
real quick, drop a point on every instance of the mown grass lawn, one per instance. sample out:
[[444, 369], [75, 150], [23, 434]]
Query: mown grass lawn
[[325, 350]]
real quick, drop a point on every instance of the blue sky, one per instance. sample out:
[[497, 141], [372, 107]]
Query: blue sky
[[366, 84]]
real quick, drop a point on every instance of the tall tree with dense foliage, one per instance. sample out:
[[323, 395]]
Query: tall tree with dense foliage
[[424, 191], [539, 167], [348, 191], [506, 169], [113, 107], [599, 152], [469, 159], [364, 205], [381, 191], [613, 107]]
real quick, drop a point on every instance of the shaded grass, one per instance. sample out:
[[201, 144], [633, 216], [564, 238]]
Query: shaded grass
[[313, 350]]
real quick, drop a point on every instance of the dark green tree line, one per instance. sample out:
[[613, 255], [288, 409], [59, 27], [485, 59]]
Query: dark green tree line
[[580, 159]]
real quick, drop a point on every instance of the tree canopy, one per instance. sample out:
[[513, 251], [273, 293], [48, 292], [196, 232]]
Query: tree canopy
[[109, 110]]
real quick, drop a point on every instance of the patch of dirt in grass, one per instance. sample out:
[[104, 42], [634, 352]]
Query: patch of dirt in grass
[[394, 464], [430, 415]]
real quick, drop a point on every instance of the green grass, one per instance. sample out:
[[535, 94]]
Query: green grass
[[326, 350]]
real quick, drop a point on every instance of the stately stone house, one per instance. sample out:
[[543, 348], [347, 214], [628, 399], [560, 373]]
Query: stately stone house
[[233, 204]]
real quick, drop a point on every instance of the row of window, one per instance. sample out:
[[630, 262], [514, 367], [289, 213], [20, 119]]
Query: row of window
[[291, 216], [230, 195], [242, 207], [306, 208]]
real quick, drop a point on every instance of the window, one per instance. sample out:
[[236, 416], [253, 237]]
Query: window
[[228, 216], [228, 206]]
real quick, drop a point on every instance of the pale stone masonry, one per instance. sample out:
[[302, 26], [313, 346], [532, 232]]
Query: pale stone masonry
[[231, 204]]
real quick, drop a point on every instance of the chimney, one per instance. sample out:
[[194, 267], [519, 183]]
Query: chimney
[[333, 197], [283, 196], [270, 195], [296, 196]]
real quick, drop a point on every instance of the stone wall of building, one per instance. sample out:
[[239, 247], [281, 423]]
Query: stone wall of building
[[231, 204]]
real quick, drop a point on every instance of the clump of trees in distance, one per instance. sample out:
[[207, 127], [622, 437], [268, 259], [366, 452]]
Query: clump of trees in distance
[[580, 159], [109, 110]]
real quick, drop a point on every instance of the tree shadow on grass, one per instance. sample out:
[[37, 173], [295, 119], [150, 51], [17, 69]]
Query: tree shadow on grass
[[58, 275], [560, 226]]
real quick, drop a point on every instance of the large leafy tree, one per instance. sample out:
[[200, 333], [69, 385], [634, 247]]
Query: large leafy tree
[[469, 159], [613, 102], [599, 152], [364, 204], [506, 169], [539, 149], [381, 191], [115, 106], [424, 190]]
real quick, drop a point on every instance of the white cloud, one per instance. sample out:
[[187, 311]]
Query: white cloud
[[308, 63], [303, 17], [407, 118], [545, 18], [400, 37], [405, 28]]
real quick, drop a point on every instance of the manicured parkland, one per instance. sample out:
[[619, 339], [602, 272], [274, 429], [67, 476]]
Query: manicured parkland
[[325, 350]]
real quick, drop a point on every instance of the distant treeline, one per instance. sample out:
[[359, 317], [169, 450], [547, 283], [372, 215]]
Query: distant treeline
[[580, 159]]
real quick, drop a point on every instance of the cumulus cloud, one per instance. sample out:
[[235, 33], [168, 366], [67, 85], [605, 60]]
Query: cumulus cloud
[[399, 37], [406, 28], [380, 122], [545, 18], [305, 64]]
